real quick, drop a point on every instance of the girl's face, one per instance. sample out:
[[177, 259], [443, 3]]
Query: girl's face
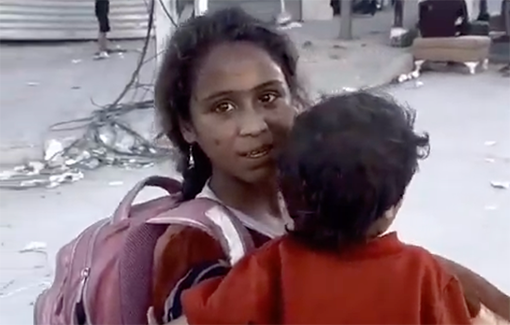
[[240, 111]]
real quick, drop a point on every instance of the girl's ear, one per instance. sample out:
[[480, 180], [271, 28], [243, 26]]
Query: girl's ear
[[187, 131]]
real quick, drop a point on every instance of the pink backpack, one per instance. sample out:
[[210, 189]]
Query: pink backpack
[[104, 276]]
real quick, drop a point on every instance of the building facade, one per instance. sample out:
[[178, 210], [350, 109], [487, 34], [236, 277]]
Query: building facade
[[75, 19]]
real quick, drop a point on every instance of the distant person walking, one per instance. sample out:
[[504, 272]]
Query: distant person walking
[[102, 9]]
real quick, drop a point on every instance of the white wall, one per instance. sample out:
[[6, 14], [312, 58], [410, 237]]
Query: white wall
[[316, 10]]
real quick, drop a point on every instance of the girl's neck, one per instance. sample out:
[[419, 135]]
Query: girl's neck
[[260, 199]]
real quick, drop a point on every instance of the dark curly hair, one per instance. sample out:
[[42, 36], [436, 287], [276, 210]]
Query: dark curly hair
[[187, 47], [348, 160]]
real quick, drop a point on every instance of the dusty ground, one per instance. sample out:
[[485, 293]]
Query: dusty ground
[[450, 208]]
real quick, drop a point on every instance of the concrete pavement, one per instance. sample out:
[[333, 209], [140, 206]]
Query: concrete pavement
[[450, 207]]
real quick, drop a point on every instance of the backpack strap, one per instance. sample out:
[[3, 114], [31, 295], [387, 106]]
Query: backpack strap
[[172, 186], [216, 220], [137, 257]]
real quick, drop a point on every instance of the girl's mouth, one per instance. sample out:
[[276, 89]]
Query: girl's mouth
[[260, 152]]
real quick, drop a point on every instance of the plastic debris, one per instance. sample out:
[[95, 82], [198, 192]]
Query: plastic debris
[[491, 207], [32, 84], [53, 148], [35, 246], [76, 61], [500, 185], [116, 183], [490, 160], [490, 143]]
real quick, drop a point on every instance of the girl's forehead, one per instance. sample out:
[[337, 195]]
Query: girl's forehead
[[233, 67]]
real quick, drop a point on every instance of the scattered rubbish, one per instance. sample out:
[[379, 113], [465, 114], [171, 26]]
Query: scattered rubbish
[[490, 143], [116, 183], [6, 174], [75, 87], [500, 185], [349, 89], [32, 84], [407, 76], [53, 148], [76, 61], [418, 84], [290, 25], [106, 142], [491, 207], [34, 246], [490, 160]]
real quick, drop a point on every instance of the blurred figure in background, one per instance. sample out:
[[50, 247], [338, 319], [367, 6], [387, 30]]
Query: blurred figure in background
[[102, 9]]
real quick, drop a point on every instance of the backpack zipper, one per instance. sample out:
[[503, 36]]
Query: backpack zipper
[[85, 273]]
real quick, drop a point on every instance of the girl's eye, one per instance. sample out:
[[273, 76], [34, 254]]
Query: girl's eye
[[223, 107], [268, 98]]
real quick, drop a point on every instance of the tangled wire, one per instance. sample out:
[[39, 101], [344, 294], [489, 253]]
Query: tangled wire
[[107, 141]]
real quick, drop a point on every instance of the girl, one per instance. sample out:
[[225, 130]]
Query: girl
[[227, 94]]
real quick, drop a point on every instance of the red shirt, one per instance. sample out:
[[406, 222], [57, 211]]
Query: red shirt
[[179, 251], [382, 282]]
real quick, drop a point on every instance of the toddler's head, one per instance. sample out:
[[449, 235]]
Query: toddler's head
[[346, 167]]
